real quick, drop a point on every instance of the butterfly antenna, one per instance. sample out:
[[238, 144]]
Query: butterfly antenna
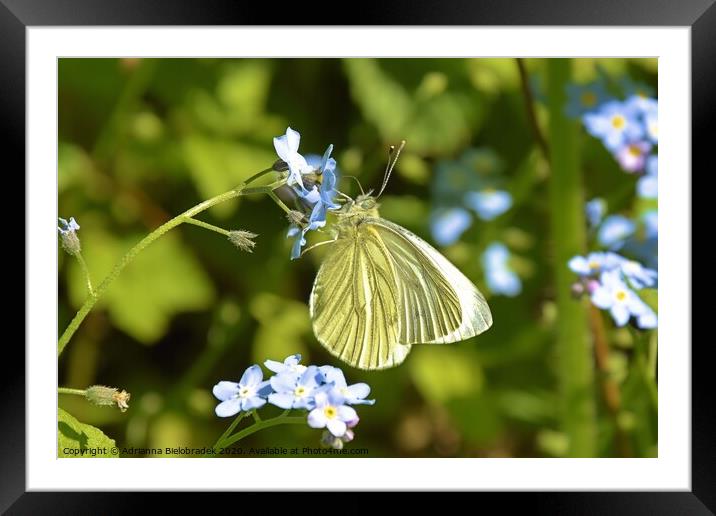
[[358, 182], [393, 155]]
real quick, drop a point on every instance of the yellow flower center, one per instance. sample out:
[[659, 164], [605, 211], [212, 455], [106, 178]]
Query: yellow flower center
[[618, 122], [330, 412], [593, 265], [634, 150], [300, 391], [244, 392], [621, 295], [588, 99]]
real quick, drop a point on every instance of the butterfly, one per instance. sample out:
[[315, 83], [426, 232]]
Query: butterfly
[[381, 289]]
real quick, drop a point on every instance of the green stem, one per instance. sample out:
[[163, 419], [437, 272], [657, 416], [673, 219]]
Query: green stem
[[278, 201], [154, 235], [67, 390], [208, 226], [575, 367], [85, 270], [261, 425], [651, 359]]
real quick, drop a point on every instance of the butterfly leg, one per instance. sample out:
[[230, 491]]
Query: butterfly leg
[[317, 245]]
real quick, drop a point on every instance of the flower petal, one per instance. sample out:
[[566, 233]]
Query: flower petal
[[346, 413], [316, 418], [282, 400], [252, 403], [252, 376], [284, 382], [336, 427], [293, 139], [358, 391], [225, 390], [280, 143], [228, 408]]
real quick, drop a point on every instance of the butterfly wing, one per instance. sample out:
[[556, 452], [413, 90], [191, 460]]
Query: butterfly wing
[[437, 304], [354, 303]]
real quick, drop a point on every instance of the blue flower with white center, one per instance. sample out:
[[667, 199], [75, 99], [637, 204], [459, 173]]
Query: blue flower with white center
[[501, 280], [331, 412], [594, 263], [489, 204], [632, 156], [295, 392], [615, 123], [291, 364], [637, 275], [582, 98], [448, 224], [615, 230], [614, 295], [287, 149], [648, 185], [355, 394], [250, 393], [66, 227], [595, 210]]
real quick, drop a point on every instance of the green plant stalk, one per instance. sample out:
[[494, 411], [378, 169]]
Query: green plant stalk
[[260, 425], [85, 271], [576, 366], [67, 390], [206, 225], [151, 237]]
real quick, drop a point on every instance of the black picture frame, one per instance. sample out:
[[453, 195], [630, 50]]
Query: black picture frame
[[700, 15]]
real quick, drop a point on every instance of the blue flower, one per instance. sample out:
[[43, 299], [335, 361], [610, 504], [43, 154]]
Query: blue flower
[[250, 393], [331, 412], [651, 224], [595, 210], [299, 236], [489, 204], [594, 263], [291, 364], [582, 98], [615, 230], [355, 394], [615, 123], [500, 278], [632, 156], [648, 185], [67, 227], [637, 275], [295, 391], [648, 109], [448, 224], [287, 149], [613, 294]]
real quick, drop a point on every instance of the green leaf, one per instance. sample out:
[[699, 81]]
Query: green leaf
[[75, 439], [165, 279]]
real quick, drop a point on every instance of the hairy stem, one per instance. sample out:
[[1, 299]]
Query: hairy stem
[[85, 271], [145, 242], [67, 390], [206, 225]]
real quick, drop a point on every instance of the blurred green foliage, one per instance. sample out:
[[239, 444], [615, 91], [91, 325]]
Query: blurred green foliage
[[141, 140]]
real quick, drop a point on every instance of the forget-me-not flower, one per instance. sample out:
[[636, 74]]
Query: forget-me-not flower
[[331, 412], [250, 393], [355, 394], [287, 149], [500, 278], [615, 230], [291, 364], [582, 98], [615, 123], [489, 204], [614, 295], [632, 156], [594, 263], [292, 391], [66, 227], [448, 224], [638, 275]]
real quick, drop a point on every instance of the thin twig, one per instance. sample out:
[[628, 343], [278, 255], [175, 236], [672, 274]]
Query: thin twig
[[529, 104]]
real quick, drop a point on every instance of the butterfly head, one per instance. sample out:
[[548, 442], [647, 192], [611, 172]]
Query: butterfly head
[[365, 205]]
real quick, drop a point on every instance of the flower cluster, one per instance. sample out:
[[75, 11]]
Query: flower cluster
[[611, 281], [468, 184], [321, 391], [313, 181], [628, 129]]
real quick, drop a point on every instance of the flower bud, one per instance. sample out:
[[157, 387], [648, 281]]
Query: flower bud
[[68, 235], [243, 239], [108, 396], [577, 289], [296, 217], [280, 166]]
